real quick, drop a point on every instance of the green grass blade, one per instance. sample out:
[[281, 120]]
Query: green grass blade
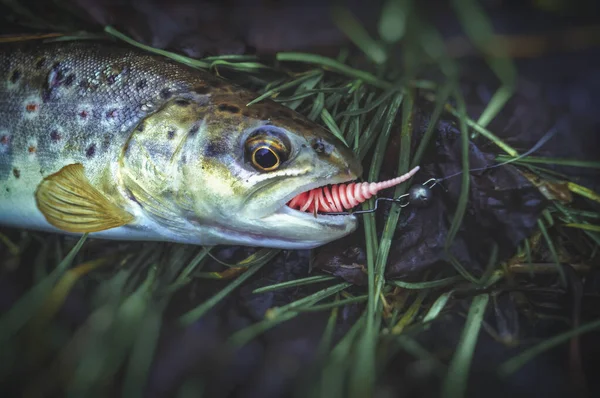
[[415, 349], [496, 104], [480, 130], [553, 161], [369, 136], [373, 105], [195, 314], [438, 305], [332, 126], [411, 313], [553, 252], [313, 298], [393, 20], [333, 379], [194, 63], [248, 67], [317, 107], [184, 277], [512, 365], [465, 176], [440, 100], [455, 383], [403, 167], [244, 336], [329, 332], [479, 29], [142, 353], [428, 284], [296, 282], [363, 379], [333, 65], [285, 86], [348, 24], [464, 188], [335, 304], [22, 311]]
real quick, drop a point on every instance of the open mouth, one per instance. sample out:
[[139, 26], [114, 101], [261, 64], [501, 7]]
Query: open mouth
[[339, 199]]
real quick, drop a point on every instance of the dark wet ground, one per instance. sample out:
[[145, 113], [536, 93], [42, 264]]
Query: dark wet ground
[[559, 90]]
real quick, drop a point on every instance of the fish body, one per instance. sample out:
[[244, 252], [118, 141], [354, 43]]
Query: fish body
[[101, 138]]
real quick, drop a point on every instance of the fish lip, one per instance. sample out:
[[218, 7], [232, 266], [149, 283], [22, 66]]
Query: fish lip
[[339, 219]]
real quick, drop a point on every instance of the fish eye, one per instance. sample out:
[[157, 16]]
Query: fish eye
[[267, 149], [265, 158]]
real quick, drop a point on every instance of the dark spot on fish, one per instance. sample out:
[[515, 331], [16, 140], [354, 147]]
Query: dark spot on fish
[[229, 108], [55, 135], [171, 134], [32, 149], [40, 63], [87, 85], [166, 93], [32, 107], [194, 130], [184, 159], [83, 114], [202, 90], [321, 147], [112, 113], [16, 75], [140, 127], [17, 173], [212, 149], [56, 78], [5, 140], [182, 102], [142, 84], [69, 80], [108, 138], [7, 189], [90, 151], [318, 145], [111, 79]]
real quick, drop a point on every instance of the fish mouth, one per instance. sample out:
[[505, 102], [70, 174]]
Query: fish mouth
[[336, 198], [333, 217]]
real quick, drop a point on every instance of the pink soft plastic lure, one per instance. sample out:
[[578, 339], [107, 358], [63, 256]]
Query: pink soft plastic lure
[[341, 197]]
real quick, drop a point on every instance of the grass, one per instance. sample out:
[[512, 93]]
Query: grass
[[132, 290]]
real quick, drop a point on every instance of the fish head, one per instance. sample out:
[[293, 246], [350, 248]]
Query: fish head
[[229, 170]]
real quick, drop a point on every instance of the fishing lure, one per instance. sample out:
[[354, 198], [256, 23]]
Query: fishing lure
[[340, 197]]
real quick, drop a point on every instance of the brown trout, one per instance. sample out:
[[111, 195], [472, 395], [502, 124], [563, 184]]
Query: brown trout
[[122, 144]]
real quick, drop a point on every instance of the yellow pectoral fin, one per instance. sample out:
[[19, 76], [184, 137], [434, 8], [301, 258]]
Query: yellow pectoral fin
[[69, 202]]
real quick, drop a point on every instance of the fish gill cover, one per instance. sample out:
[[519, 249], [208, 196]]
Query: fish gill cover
[[457, 298]]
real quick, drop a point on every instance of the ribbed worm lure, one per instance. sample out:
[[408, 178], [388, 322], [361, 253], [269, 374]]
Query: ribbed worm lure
[[334, 200], [340, 197]]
